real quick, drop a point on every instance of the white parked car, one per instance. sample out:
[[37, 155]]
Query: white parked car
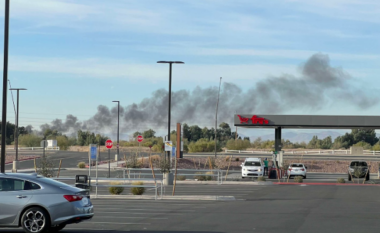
[[252, 167], [297, 169]]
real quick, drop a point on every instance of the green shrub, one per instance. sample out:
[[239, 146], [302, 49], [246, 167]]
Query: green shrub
[[116, 190], [181, 177], [203, 177], [341, 180], [203, 145], [298, 179], [82, 165], [261, 178], [239, 144], [138, 190], [237, 159]]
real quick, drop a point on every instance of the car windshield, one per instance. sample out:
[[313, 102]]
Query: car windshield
[[358, 164], [252, 163], [297, 165]]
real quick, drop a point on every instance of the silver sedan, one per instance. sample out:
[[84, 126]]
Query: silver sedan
[[39, 204]]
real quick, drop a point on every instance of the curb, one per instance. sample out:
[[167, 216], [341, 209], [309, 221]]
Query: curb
[[20, 160], [331, 184], [151, 197]]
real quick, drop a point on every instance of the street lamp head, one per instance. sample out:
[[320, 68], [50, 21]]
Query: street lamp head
[[117, 101], [15, 89], [175, 62]]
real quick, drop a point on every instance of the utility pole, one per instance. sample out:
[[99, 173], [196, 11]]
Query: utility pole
[[15, 163], [216, 114], [118, 123], [5, 87]]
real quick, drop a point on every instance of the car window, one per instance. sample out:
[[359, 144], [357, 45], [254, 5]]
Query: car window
[[7, 184], [31, 186], [297, 165], [252, 163], [358, 164]]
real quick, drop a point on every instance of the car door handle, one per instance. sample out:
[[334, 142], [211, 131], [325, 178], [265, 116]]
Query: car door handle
[[19, 196]]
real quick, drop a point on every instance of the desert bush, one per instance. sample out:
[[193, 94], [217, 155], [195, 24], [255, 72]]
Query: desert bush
[[239, 144], [298, 179], [132, 161], [202, 176], [116, 190], [138, 190], [181, 177], [82, 165], [228, 158], [341, 180], [365, 145], [46, 167], [261, 178], [237, 159], [203, 145], [155, 158]]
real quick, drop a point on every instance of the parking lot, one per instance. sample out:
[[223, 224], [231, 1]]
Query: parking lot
[[274, 208]]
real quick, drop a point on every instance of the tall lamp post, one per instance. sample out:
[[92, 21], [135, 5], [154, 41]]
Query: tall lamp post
[[5, 87], [170, 94], [16, 126], [118, 110]]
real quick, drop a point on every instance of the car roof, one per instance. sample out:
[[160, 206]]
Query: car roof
[[252, 159], [26, 176]]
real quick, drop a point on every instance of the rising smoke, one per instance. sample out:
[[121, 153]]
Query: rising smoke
[[319, 84]]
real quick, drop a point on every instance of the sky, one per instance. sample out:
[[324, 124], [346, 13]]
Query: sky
[[74, 55]]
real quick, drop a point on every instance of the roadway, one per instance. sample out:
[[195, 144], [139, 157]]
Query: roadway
[[276, 208]]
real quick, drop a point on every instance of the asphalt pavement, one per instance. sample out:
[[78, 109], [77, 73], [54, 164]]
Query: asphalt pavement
[[275, 208]]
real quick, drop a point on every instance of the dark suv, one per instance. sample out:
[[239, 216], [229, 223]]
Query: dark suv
[[362, 166]]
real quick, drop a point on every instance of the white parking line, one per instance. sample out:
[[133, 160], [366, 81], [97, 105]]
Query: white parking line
[[150, 209], [137, 213], [128, 217]]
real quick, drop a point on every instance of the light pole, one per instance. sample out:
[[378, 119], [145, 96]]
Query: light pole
[[16, 126], [216, 114], [5, 87], [117, 146], [170, 94]]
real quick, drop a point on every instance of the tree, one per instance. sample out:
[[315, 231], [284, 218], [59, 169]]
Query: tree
[[149, 133], [186, 132], [364, 135], [196, 133], [344, 141], [326, 143], [135, 134], [314, 143], [206, 133], [63, 142], [29, 140], [225, 131]]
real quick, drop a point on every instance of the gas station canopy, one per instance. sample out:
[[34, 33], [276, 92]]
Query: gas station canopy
[[307, 121]]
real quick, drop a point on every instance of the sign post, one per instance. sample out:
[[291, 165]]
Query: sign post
[[140, 139], [109, 145], [91, 156]]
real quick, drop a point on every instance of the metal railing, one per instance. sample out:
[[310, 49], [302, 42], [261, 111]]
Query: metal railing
[[96, 184], [287, 152], [36, 148], [133, 172]]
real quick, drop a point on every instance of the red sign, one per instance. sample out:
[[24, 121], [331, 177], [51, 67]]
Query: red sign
[[140, 138], [109, 144], [254, 119]]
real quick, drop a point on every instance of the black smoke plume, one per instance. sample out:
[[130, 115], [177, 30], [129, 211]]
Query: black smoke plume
[[318, 85]]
